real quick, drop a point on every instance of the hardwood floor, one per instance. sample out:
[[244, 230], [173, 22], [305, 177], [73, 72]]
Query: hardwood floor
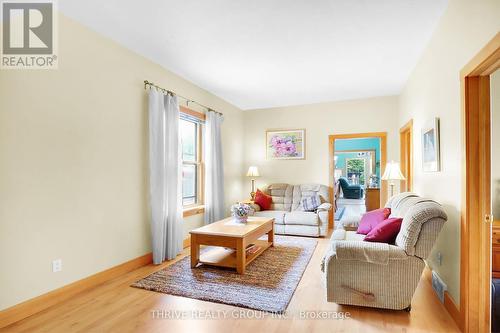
[[116, 307]]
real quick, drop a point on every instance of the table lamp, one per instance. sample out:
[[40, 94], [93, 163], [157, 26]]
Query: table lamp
[[253, 172], [392, 173]]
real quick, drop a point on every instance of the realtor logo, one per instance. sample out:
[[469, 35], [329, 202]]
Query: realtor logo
[[28, 38]]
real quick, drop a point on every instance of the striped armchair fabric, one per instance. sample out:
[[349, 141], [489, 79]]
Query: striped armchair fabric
[[383, 275]]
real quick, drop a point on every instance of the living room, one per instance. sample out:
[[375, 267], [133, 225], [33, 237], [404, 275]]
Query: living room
[[124, 148]]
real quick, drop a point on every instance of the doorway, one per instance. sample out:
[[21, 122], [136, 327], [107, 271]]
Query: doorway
[[358, 158], [476, 218], [406, 156]]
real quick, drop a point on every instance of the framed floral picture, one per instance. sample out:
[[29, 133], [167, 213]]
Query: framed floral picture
[[430, 146], [286, 144]]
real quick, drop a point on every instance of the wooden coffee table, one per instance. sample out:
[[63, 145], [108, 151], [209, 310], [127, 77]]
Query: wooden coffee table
[[230, 240]]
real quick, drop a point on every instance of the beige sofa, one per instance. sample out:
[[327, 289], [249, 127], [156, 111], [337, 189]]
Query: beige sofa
[[289, 215], [382, 275]]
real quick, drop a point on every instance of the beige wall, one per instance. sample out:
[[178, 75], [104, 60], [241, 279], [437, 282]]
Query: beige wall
[[319, 120], [495, 139], [433, 90], [73, 162], [73, 149]]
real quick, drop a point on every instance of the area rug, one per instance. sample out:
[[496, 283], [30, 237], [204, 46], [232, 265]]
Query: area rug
[[338, 214], [268, 283]]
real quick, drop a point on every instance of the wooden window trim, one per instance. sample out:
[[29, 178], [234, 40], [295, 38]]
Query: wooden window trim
[[193, 210], [198, 207], [192, 113]]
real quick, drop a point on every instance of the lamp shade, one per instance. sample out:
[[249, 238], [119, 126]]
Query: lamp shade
[[392, 172], [253, 171]]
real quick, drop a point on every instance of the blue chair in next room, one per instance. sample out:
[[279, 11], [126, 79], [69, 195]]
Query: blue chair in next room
[[350, 191]]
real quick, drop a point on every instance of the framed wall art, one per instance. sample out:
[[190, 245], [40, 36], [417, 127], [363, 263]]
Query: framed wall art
[[286, 144], [430, 146]]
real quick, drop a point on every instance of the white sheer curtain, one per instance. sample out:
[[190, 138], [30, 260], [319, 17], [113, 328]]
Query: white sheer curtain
[[165, 176], [214, 171]]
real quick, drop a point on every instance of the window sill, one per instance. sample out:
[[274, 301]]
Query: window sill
[[193, 210]]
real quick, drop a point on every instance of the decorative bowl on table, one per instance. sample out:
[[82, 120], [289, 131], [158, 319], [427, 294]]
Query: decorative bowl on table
[[240, 212]]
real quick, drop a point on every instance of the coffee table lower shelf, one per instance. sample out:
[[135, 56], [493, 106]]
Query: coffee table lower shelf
[[229, 242], [224, 257]]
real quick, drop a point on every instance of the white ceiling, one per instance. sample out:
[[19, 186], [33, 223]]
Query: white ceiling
[[269, 53]]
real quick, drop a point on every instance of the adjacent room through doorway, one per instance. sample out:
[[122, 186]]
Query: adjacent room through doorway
[[355, 168]]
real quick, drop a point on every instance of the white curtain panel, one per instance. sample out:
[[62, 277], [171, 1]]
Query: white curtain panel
[[214, 171], [165, 176]]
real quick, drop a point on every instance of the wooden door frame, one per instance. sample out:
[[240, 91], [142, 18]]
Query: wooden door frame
[[406, 147], [383, 161], [475, 234]]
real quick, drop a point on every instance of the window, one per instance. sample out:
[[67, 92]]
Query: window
[[355, 170], [192, 176]]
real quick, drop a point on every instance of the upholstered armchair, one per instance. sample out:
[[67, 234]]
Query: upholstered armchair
[[350, 191], [383, 275]]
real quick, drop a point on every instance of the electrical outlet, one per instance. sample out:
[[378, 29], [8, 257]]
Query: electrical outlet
[[56, 265], [439, 258]]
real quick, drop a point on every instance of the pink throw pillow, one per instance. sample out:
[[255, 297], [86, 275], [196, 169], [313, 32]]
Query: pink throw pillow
[[386, 231], [371, 219]]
